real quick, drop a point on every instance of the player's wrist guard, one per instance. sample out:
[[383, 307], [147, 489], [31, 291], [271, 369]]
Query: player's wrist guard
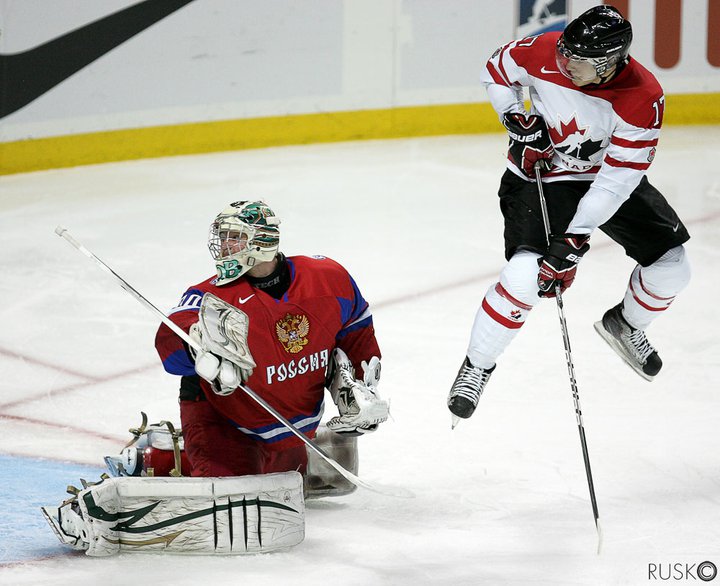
[[559, 264], [529, 142]]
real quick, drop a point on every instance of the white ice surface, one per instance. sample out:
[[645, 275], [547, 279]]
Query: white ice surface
[[503, 498]]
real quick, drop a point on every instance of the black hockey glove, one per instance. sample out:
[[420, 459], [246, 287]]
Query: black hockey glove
[[559, 265], [529, 142]]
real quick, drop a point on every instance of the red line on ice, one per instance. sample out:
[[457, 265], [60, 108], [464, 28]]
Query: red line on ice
[[90, 379]]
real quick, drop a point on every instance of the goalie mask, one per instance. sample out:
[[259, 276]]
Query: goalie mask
[[244, 234]]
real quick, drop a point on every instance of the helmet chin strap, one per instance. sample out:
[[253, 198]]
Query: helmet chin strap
[[614, 70]]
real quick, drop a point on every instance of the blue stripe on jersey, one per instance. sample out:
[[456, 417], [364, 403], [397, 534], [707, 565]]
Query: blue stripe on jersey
[[357, 325], [291, 264], [275, 432], [360, 303], [190, 300], [179, 363], [346, 309], [352, 309]]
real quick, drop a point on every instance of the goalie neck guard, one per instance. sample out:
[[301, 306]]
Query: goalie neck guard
[[243, 235]]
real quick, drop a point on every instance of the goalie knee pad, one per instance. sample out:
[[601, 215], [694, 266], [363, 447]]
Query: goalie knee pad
[[321, 479]]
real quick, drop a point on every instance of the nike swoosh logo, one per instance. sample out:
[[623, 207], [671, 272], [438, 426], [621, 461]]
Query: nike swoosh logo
[[675, 229], [29, 74], [543, 70], [241, 301]]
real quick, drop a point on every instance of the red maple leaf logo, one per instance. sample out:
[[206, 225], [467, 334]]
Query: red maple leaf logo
[[558, 136]]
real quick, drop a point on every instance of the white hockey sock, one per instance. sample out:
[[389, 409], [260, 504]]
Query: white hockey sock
[[652, 289], [497, 322], [504, 309]]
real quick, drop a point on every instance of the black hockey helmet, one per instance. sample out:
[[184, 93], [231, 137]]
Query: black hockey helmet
[[600, 36]]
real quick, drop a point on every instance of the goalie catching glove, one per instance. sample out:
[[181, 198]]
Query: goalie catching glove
[[361, 408], [223, 358]]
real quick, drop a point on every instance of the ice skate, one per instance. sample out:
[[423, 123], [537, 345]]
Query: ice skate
[[466, 390], [630, 344]]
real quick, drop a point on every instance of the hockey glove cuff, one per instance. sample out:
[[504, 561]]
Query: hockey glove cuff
[[529, 142], [559, 264]]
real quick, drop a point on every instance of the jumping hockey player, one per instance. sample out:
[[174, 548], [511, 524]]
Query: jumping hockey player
[[593, 128], [291, 320]]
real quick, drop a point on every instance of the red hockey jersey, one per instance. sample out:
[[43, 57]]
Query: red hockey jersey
[[291, 340]]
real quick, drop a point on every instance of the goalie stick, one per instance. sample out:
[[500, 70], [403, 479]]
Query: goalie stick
[[385, 490], [568, 359]]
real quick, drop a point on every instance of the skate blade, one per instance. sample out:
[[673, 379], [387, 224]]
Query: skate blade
[[48, 513], [619, 350], [455, 421], [54, 525]]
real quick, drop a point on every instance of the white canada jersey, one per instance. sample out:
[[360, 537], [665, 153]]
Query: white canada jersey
[[605, 133]]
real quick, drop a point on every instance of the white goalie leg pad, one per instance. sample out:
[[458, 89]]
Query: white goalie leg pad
[[234, 515], [321, 479]]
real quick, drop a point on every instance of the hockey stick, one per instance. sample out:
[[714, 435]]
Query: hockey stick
[[389, 491], [568, 359]]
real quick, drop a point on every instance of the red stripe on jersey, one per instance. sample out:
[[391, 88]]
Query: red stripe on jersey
[[502, 69], [501, 319], [633, 144], [499, 79], [628, 164], [500, 290]]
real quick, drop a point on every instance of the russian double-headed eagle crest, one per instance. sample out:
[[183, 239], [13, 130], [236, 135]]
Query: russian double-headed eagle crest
[[292, 331]]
